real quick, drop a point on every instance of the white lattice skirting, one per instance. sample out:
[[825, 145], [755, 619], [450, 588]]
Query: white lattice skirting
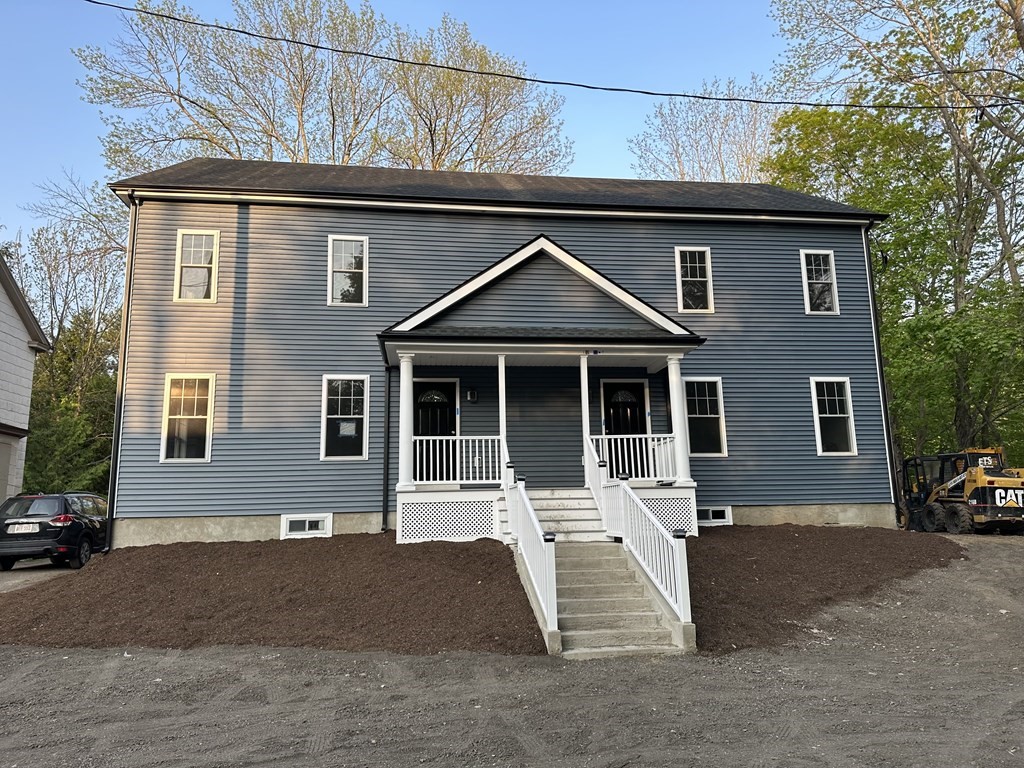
[[675, 509], [462, 516]]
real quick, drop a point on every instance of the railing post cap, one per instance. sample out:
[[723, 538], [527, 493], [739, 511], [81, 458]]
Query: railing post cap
[[520, 478], [679, 533], [549, 537], [602, 463], [623, 476], [510, 465]]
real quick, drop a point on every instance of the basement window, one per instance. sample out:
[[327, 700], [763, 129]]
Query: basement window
[[714, 515], [306, 526]]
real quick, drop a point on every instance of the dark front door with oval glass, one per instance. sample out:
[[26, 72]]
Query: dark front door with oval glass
[[436, 417], [625, 413]]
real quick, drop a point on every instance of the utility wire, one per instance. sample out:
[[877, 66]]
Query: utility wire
[[538, 80]]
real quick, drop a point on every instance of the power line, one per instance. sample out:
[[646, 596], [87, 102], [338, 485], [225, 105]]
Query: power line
[[537, 80]]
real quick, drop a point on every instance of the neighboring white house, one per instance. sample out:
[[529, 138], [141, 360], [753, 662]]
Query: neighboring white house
[[21, 339]]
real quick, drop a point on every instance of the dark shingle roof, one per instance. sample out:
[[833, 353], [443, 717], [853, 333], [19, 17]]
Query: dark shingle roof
[[360, 182]]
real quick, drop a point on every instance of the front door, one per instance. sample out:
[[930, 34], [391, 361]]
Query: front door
[[436, 415], [625, 413]]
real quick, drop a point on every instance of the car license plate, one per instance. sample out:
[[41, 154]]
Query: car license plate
[[23, 528]]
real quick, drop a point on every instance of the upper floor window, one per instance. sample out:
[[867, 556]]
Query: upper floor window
[[346, 270], [833, 417], [820, 297], [195, 265], [705, 418], [188, 417], [343, 432], [693, 280]]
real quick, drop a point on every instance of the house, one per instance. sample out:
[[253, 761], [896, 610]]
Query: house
[[313, 350], [21, 339]]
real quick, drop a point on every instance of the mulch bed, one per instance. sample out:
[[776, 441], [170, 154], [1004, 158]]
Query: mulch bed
[[750, 587]]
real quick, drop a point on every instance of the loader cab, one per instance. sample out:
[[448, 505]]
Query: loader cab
[[986, 458], [921, 474]]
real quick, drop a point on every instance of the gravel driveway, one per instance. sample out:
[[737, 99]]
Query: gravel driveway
[[926, 673]]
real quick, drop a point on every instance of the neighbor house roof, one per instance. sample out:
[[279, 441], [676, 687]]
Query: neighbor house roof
[[256, 177], [37, 339]]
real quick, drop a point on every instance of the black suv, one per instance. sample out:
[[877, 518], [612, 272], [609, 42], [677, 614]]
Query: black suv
[[66, 527]]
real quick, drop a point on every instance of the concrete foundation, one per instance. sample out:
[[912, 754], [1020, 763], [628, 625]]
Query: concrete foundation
[[140, 532], [873, 515]]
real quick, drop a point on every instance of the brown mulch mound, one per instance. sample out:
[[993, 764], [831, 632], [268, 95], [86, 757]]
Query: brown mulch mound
[[359, 592], [751, 586]]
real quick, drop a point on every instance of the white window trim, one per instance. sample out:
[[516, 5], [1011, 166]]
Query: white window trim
[[817, 422], [721, 414], [835, 280], [323, 416], [647, 401], [727, 521], [679, 282], [212, 377], [327, 532], [214, 266], [330, 270]]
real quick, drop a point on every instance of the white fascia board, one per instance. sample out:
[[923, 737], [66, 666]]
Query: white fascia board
[[564, 258], [488, 351], [253, 197]]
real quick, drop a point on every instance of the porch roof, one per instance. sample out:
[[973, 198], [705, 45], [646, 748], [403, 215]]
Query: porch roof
[[651, 354]]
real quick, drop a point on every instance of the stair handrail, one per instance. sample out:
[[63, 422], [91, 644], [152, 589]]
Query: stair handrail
[[660, 553], [536, 546], [595, 476]]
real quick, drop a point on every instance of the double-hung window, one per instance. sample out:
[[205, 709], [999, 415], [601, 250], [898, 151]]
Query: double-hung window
[[705, 417], [195, 265], [345, 404], [820, 295], [347, 260], [833, 417], [188, 417], [693, 280]]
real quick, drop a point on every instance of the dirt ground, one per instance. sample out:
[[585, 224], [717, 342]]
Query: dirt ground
[[924, 671], [751, 586]]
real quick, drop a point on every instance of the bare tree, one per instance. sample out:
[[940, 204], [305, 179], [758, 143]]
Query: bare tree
[[448, 120], [715, 139], [180, 91]]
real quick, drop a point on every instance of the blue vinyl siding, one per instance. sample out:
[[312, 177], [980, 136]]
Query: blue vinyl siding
[[271, 337], [551, 294]]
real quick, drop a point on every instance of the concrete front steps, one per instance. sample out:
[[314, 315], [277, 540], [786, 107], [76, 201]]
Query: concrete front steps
[[570, 513], [603, 608]]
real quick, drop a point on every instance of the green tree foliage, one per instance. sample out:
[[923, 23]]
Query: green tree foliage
[[72, 412], [946, 262], [180, 91]]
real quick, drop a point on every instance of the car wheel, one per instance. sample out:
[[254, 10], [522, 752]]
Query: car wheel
[[6, 563], [84, 554]]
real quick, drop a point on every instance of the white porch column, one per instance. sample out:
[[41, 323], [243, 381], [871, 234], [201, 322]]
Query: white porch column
[[405, 430], [680, 442], [502, 420], [585, 396]]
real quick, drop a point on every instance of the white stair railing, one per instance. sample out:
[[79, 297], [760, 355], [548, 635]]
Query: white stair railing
[[535, 545], [595, 475], [642, 457], [661, 554], [462, 460]]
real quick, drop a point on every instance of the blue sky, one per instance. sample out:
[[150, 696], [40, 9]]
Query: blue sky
[[660, 45]]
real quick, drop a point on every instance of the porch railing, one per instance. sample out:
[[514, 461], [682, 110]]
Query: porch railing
[[462, 460], [660, 553], [642, 457], [536, 547]]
